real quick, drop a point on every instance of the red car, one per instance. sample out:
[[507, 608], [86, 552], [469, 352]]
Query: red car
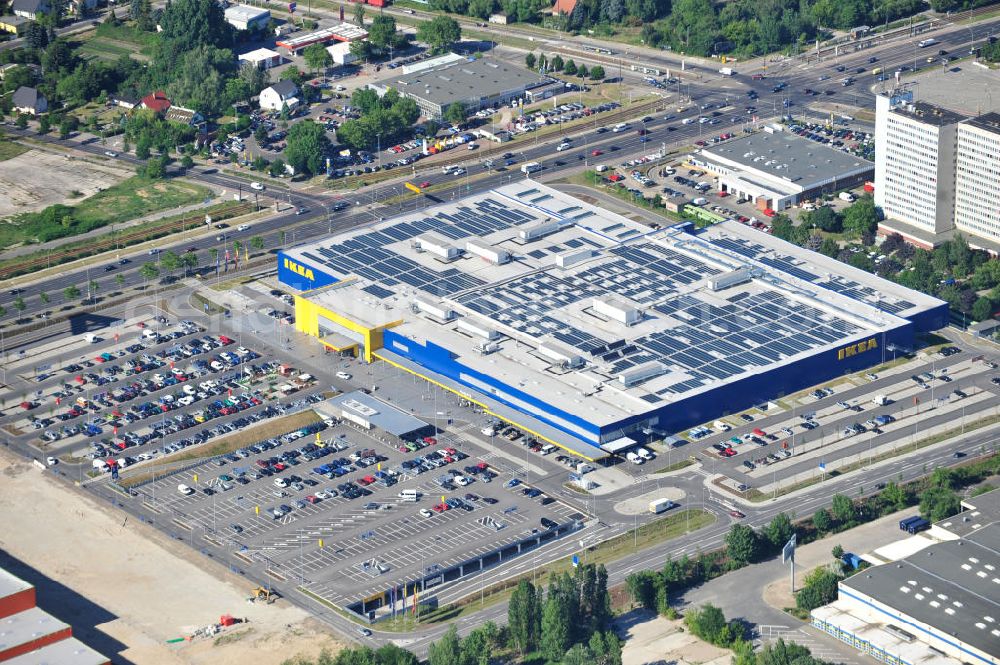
[[441, 507], [737, 514], [430, 440], [615, 177], [596, 153], [280, 466], [425, 184], [312, 499], [367, 480], [450, 451]]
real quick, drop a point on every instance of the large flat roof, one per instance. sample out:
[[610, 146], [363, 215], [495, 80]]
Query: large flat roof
[[787, 158], [980, 511], [452, 81], [11, 584], [929, 114], [384, 416], [27, 626], [595, 313], [245, 12], [70, 651], [953, 586]]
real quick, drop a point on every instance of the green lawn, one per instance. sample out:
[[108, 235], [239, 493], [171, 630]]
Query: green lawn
[[127, 200], [10, 150]]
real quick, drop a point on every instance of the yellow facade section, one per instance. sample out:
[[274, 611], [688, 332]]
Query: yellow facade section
[[307, 314]]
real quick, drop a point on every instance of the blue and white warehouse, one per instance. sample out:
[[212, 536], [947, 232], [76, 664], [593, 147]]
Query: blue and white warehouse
[[589, 329]]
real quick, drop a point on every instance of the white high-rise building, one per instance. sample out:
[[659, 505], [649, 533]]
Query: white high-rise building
[[977, 178], [915, 168]]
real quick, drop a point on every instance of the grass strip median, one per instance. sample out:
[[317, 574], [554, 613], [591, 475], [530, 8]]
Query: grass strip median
[[226, 444]]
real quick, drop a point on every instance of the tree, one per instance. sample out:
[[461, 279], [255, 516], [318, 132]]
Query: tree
[[44, 124], [317, 57], [92, 288], [707, 622], [842, 509], [3, 311], [22, 121], [556, 64], [779, 531], [820, 588], [149, 271], [825, 218], [822, 520], [557, 624], [306, 146], [382, 31], [837, 552], [524, 617], [829, 247], [44, 297], [390, 654], [578, 655], [445, 651], [359, 15], [606, 648], [569, 68], [742, 544], [257, 243], [19, 304], [530, 60], [642, 586], [439, 34], [982, 309], [187, 24], [455, 113], [893, 497], [938, 503], [188, 261], [597, 72], [861, 217], [276, 168], [582, 71], [71, 293]]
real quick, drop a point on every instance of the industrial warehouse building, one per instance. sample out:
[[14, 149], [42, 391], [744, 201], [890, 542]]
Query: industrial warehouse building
[[340, 32], [587, 328], [31, 636], [777, 169], [477, 83], [245, 17], [931, 599]]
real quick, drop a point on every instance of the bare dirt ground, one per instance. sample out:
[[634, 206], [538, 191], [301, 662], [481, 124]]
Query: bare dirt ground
[[40, 178], [126, 590], [655, 640]]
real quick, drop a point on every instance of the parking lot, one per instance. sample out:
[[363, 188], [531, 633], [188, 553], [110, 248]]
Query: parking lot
[[118, 402], [331, 505]]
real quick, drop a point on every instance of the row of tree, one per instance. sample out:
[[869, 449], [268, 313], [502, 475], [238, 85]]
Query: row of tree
[[568, 67]]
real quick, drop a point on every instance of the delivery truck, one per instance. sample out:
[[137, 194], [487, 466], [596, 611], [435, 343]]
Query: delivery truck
[[726, 71], [658, 506]]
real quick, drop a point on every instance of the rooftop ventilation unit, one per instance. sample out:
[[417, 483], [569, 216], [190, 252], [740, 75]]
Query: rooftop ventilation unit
[[436, 245], [618, 310], [473, 327], [436, 309], [560, 354], [488, 252], [539, 230], [731, 278], [633, 376], [572, 257]]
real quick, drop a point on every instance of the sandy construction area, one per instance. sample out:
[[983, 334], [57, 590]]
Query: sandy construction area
[[40, 178], [126, 590], [655, 640]]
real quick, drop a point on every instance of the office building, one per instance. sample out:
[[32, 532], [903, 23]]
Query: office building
[[476, 83], [915, 168], [977, 179]]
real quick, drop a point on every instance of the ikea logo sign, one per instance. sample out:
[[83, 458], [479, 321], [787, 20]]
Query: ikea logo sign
[[856, 349], [299, 269]]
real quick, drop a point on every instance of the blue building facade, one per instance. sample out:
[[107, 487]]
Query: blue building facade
[[300, 275]]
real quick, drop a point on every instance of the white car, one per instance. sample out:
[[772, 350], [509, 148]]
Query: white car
[[110, 153], [243, 227], [424, 512], [51, 461], [256, 185], [343, 376], [461, 481]]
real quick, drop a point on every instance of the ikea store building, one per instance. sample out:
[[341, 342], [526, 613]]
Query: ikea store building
[[588, 329]]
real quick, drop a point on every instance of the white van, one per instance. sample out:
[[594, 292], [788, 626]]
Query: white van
[[489, 430], [620, 127], [721, 426], [634, 458], [644, 453], [100, 465], [148, 333], [409, 496], [547, 449], [185, 490]]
